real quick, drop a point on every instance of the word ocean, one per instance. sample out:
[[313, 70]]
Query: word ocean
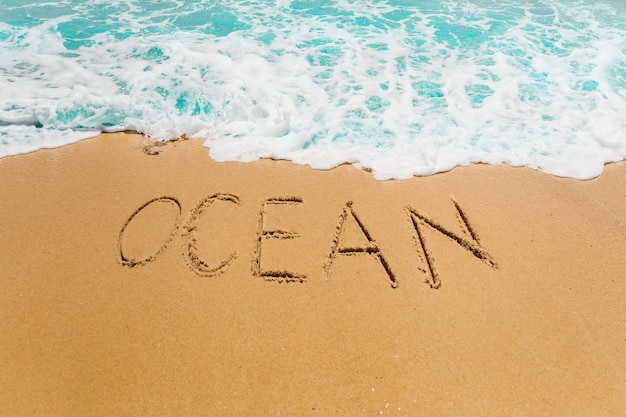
[[467, 239]]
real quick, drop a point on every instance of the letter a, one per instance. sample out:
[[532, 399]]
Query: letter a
[[370, 248]]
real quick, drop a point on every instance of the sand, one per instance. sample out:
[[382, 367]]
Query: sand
[[173, 285]]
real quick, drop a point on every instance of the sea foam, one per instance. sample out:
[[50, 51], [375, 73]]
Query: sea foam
[[399, 88]]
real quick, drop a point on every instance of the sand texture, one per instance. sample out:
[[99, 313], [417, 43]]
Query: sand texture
[[162, 283]]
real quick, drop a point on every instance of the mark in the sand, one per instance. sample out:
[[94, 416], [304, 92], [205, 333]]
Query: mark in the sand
[[369, 248], [132, 262], [471, 241], [150, 145], [263, 234], [351, 238], [190, 242]]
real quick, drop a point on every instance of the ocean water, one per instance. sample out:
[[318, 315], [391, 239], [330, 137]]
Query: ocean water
[[400, 87]]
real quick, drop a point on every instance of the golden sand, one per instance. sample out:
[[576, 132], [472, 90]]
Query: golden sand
[[163, 283]]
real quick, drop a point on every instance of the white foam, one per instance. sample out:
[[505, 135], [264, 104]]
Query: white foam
[[322, 93]]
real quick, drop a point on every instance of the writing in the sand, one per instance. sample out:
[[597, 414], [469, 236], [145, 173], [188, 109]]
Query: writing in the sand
[[467, 239]]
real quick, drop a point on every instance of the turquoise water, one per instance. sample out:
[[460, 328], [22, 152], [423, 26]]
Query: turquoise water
[[400, 87]]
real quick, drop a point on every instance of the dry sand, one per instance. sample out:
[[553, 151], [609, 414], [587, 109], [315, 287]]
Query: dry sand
[[172, 285]]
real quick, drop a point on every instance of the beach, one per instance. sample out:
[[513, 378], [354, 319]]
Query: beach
[[154, 281]]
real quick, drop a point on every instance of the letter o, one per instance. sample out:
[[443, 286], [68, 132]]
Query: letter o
[[131, 262]]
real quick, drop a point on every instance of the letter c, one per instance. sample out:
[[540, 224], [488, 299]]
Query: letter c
[[190, 245]]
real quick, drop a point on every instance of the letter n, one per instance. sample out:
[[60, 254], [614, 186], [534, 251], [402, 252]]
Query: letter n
[[470, 242], [370, 248]]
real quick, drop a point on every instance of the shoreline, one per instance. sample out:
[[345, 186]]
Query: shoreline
[[171, 284], [151, 146]]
